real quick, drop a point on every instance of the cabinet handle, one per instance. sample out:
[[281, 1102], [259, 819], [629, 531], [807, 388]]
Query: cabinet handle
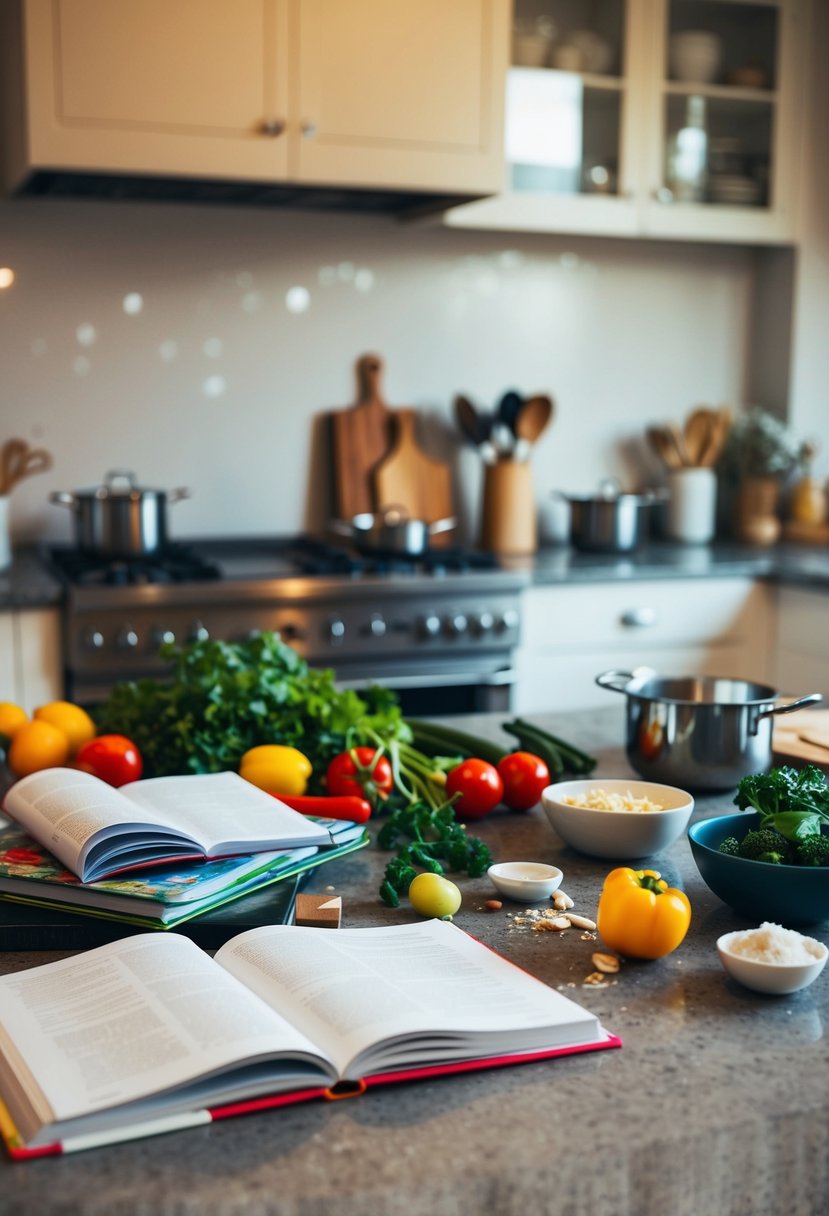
[[663, 194], [273, 127], [639, 618], [309, 130]]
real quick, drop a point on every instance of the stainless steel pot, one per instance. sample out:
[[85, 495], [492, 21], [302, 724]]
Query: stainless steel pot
[[120, 518], [391, 531], [698, 732], [610, 521]]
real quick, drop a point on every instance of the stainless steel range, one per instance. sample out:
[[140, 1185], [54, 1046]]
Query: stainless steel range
[[440, 630]]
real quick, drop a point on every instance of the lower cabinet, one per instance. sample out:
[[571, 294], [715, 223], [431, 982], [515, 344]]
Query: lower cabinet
[[802, 658], [31, 668], [705, 626]]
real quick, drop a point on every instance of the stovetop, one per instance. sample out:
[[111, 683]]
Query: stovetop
[[257, 558]]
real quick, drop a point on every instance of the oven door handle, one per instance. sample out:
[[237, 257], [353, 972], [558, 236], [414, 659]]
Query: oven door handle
[[491, 679]]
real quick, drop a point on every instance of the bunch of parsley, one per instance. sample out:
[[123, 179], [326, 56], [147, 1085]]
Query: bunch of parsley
[[226, 697]]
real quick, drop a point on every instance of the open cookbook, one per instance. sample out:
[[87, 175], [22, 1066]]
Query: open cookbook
[[97, 831], [281, 1014]]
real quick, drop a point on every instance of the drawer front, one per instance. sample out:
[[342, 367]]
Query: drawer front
[[682, 611]]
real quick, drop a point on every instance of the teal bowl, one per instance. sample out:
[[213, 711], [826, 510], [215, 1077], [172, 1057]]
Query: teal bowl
[[784, 895]]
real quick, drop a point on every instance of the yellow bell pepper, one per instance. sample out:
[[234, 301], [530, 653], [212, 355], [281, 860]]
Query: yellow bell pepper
[[640, 916], [276, 768]]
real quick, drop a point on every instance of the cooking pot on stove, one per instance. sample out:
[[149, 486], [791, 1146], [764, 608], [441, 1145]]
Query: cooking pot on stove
[[698, 732], [608, 522], [119, 518], [391, 531]]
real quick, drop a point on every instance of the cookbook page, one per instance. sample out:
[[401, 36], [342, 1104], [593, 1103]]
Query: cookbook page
[[430, 985], [127, 1020]]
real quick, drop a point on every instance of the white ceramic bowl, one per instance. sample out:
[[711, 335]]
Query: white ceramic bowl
[[774, 978], [619, 835], [695, 56], [527, 882]]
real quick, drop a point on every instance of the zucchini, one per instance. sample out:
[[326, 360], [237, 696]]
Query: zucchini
[[435, 739], [574, 758], [531, 742]]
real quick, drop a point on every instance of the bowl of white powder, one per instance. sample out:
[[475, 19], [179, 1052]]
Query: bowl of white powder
[[772, 959]]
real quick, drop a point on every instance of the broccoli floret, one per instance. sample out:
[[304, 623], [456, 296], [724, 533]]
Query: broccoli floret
[[765, 844], [813, 851], [731, 846]]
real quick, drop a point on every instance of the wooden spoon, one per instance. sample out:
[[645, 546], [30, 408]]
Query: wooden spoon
[[697, 433], [663, 446], [533, 418]]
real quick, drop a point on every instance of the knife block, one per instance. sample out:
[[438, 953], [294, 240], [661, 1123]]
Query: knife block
[[508, 517]]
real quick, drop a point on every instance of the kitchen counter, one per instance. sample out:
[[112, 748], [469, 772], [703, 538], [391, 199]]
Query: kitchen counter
[[718, 1102], [29, 584]]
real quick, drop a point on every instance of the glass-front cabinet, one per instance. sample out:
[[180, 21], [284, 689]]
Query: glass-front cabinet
[[664, 118]]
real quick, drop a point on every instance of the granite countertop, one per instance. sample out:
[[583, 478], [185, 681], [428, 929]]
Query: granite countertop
[[718, 1102], [28, 583]]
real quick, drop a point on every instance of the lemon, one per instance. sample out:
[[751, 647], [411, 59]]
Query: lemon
[[434, 895], [37, 745], [277, 769], [75, 722], [12, 717]]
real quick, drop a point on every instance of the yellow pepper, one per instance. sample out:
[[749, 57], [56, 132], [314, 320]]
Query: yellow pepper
[[276, 768], [640, 916]]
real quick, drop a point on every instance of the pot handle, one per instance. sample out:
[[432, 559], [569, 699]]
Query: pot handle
[[442, 525], [178, 494], [610, 679], [65, 497], [790, 706]]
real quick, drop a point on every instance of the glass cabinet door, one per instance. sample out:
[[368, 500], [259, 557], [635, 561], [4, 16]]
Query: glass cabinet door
[[719, 152]]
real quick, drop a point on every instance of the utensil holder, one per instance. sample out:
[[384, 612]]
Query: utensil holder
[[508, 518], [692, 505], [5, 540]]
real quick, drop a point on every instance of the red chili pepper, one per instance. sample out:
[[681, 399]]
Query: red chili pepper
[[343, 806]]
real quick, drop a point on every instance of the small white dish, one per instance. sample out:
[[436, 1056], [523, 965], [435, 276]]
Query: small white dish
[[618, 835], [526, 882], [776, 979]]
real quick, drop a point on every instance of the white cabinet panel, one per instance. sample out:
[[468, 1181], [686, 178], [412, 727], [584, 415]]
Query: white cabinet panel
[[37, 647], [803, 641]]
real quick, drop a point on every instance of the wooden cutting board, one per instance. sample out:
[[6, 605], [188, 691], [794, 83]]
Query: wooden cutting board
[[360, 438], [802, 738], [411, 479]]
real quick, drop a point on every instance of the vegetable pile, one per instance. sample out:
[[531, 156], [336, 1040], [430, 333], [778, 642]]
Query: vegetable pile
[[427, 839], [793, 809]]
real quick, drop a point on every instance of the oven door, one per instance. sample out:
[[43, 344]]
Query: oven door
[[435, 688]]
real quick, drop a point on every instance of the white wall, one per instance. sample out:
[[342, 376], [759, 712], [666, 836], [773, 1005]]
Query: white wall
[[621, 333]]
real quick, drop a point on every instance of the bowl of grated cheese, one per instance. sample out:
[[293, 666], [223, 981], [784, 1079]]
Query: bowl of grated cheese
[[618, 819], [772, 959]]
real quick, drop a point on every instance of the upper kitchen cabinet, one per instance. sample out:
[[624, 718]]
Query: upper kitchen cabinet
[[652, 118], [355, 93]]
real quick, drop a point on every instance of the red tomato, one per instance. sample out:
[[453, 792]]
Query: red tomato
[[360, 772], [480, 787], [524, 776], [113, 758]]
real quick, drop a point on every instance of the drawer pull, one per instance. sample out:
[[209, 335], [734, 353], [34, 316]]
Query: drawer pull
[[639, 618]]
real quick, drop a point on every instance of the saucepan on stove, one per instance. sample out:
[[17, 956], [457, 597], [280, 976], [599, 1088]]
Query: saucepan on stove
[[611, 521], [120, 518], [391, 531], [698, 732]]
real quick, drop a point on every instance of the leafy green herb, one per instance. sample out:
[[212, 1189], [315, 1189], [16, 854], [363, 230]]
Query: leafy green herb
[[226, 697], [427, 838], [795, 802]]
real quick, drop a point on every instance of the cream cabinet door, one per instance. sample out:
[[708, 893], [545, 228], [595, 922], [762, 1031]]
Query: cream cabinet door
[[190, 87], [38, 661], [8, 681], [403, 94], [803, 641]]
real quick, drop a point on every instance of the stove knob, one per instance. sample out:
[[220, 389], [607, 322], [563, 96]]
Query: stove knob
[[457, 624], [482, 622], [160, 636], [507, 620], [127, 639], [291, 632], [198, 633], [336, 631], [377, 626], [430, 625], [93, 639]]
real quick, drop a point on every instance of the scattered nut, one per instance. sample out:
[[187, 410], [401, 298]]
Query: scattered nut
[[555, 923], [493, 905], [581, 922], [595, 977], [562, 901], [608, 963]]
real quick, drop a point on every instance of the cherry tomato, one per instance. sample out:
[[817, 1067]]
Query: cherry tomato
[[362, 772], [524, 776], [113, 758], [480, 787]]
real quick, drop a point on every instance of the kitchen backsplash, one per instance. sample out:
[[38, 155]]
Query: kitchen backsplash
[[200, 348]]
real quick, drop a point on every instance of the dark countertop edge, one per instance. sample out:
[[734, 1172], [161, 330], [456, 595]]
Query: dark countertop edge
[[28, 584]]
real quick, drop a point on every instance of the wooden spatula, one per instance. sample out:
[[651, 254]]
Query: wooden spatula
[[360, 437]]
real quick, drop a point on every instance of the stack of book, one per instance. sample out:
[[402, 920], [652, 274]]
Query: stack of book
[[208, 856]]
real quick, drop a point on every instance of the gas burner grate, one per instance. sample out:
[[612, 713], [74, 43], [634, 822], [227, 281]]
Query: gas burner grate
[[175, 564], [313, 555]]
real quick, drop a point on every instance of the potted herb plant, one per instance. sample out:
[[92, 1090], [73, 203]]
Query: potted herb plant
[[758, 456]]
